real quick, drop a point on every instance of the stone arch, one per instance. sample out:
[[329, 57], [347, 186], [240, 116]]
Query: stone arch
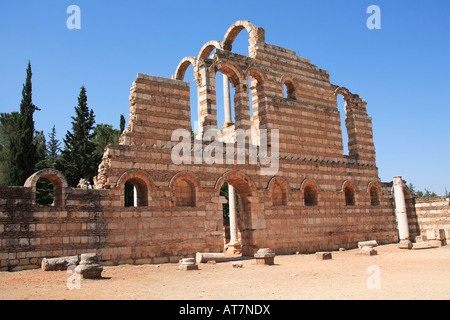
[[279, 191], [250, 218], [375, 191], [257, 73], [207, 48], [349, 190], [291, 87], [56, 178], [230, 69], [310, 192], [183, 65], [185, 189], [255, 33], [142, 183]]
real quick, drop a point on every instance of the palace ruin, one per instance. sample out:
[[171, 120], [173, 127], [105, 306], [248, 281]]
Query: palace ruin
[[319, 199]]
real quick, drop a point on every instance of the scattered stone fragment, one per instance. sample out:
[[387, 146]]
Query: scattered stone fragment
[[368, 251], [89, 268], [370, 243], [237, 264], [61, 263], [188, 264], [265, 256], [323, 255], [405, 244], [201, 257]]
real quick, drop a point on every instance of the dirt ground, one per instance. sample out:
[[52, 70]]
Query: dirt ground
[[392, 274]]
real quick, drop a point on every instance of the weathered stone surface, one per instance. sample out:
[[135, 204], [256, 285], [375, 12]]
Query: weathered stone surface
[[405, 244], [202, 257], [188, 264], [368, 251], [324, 256], [370, 243], [57, 264], [89, 267], [177, 207], [265, 256]]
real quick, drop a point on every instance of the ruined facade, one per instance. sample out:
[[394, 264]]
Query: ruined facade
[[318, 198]]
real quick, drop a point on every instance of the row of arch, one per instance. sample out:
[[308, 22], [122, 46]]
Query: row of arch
[[288, 86], [185, 187]]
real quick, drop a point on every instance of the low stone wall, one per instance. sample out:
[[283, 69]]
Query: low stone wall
[[433, 213]]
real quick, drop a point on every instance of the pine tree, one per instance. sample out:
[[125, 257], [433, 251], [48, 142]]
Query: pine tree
[[122, 123], [22, 147], [52, 148], [79, 159]]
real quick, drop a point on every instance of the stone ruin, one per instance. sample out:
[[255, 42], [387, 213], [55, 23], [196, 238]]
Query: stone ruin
[[318, 198]]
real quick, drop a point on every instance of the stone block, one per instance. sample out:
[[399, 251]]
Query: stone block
[[188, 264], [435, 243], [370, 243], [264, 256], [421, 238], [323, 256], [89, 267], [405, 244], [368, 251]]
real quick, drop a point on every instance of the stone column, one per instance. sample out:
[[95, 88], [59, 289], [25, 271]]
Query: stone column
[[135, 197], [226, 101], [234, 246], [400, 211]]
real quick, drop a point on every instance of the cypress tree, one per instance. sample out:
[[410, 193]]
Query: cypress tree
[[79, 159], [22, 147]]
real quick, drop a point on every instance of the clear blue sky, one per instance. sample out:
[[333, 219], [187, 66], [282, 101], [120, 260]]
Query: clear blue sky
[[401, 70]]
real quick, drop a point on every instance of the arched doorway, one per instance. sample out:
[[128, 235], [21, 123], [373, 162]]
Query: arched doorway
[[245, 217]]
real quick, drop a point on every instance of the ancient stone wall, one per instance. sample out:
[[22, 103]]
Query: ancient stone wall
[[433, 213], [316, 199]]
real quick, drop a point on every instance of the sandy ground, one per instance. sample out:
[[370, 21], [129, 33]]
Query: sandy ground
[[392, 274]]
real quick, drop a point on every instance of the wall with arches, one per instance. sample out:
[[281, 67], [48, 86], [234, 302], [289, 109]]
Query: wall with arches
[[319, 199]]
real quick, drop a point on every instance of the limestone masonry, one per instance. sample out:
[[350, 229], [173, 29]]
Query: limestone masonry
[[318, 200]]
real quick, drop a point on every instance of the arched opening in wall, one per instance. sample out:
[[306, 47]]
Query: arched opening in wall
[[189, 77], [279, 195], [349, 193], [374, 195], [310, 196], [135, 193], [230, 207], [184, 193], [45, 192], [224, 96], [241, 44], [289, 90], [341, 104]]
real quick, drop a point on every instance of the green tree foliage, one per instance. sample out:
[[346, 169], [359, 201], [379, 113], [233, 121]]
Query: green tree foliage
[[8, 125], [22, 153], [122, 123], [104, 134], [79, 159]]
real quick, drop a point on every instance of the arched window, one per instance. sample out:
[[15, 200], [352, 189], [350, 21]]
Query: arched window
[[374, 195], [184, 193], [310, 195], [135, 193], [45, 193], [289, 90], [349, 192], [279, 196], [341, 104], [42, 183]]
